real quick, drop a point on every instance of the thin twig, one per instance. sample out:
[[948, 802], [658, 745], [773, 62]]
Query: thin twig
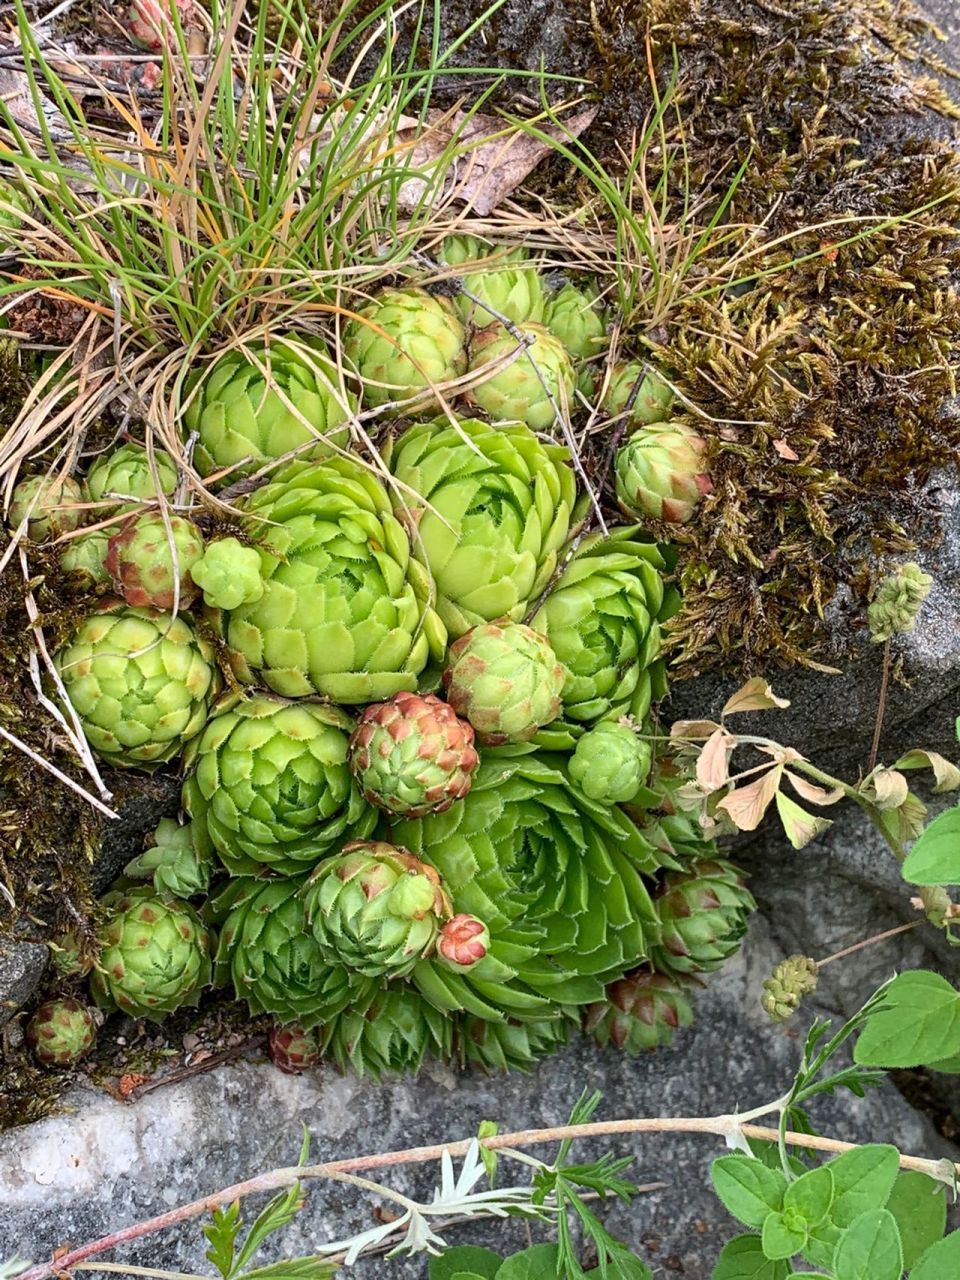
[[881, 707], [869, 942]]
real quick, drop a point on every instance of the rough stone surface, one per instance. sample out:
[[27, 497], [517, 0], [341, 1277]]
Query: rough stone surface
[[105, 1164], [21, 964]]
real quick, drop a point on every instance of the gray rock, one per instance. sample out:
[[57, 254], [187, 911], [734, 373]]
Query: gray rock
[[104, 1164], [21, 966]]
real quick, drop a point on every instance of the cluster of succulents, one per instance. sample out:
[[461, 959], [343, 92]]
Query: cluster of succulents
[[427, 817]]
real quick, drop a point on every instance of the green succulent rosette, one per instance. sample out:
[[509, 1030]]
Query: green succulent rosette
[[388, 1032], [228, 574], [659, 473], [576, 318], [657, 809], [610, 763], [404, 345], [496, 277], [154, 957], [149, 559], [640, 1012], [293, 1048], [86, 555], [505, 680], [48, 504], [704, 911], [173, 863], [602, 618], [375, 909], [271, 786], [489, 509], [344, 610], [61, 1032], [532, 388], [270, 956], [412, 754], [511, 1045], [558, 880], [652, 401], [259, 402], [140, 681], [125, 475]]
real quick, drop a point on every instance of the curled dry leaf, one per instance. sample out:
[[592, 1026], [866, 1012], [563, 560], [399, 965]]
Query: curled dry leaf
[[493, 158], [887, 788], [746, 805], [946, 775], [693, 730], [713, 763], [799, 826], [756, 695], [812, 793]]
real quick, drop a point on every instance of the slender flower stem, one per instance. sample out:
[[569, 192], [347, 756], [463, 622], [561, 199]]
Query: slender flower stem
[[869, 942], [725, 1126]]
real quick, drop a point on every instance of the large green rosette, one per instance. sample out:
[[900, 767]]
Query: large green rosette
[[345, 610], [603, 619], [269, 954], [271, 786], [558, 879], [488, 509]]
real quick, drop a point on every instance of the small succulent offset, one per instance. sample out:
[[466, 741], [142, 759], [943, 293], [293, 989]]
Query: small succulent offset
[[48, 504], [345, 609], [406, 344], [293, 1049], [640, 1011], [703, 912], [533, 381], [505, 680], [270, 786], [155, 954], [150, 559], [121, 480], [660, 474], [140, 681], [376, 909], [261, 401], [611, 763], [497, 277], [61, 1032], [228, 574], [413, 755], [172, 862], [489, 508], [653, 398]]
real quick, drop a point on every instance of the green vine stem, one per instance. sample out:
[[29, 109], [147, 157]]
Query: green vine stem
[[730, 1127]]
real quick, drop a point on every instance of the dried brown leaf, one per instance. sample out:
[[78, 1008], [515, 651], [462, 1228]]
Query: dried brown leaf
[[756, 695], [946, 774], [888, 788], [747, 805], [799, 826], [812, 793], [713, 763], [494, 159], [693, 730]]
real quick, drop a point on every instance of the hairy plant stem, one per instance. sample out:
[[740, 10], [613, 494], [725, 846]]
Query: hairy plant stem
[[730, 1127]]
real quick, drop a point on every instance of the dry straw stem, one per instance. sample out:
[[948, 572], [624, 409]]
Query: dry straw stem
[[730, 1127]]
